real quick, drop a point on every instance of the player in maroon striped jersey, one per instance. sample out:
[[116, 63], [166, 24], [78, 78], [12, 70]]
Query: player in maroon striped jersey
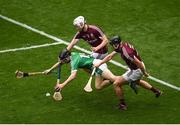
[[92, 35], [136, 69]]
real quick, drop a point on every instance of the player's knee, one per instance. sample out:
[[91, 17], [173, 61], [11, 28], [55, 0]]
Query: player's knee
[[115, 84], [113, 78], [118, 81], [98, 87]]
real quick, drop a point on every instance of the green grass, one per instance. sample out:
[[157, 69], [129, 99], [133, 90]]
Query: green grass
[[151, 26]]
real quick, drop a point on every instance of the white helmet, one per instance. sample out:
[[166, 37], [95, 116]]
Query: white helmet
[[79, 21]]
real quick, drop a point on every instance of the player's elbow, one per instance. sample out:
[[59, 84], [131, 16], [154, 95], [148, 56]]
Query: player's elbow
[[73, 75], [106, 40], [98, 87]]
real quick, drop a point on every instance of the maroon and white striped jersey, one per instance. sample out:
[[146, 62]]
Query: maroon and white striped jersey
[[128, 52], [93, 36]]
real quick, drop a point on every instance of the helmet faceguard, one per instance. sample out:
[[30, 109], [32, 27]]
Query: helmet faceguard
[[115, 40], [65, 56]]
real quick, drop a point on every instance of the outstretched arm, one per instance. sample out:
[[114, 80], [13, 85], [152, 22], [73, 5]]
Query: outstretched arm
[[73, 42], [69, 79], [106, 59]]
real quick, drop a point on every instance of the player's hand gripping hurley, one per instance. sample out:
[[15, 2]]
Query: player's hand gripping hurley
[[57, 94]]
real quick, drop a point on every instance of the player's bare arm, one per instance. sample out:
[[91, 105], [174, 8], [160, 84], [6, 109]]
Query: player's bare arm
[[73, 42], [104, 43], [106, 59], [69, 79], [141, 66]]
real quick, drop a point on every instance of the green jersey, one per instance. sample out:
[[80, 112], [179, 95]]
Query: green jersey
[[80, 60]]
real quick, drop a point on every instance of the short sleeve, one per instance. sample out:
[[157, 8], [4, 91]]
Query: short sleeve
[[77, 36], [74, 63], [97, 31]]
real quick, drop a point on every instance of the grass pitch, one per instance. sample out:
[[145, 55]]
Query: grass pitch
[[151, 26]]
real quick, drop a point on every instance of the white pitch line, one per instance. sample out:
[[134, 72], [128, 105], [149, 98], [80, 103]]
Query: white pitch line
[[164, 83], [79, 48], [30, 47]]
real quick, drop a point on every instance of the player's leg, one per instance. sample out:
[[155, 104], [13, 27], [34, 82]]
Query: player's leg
[[102, 72], [109, 78], [104, 80], [131, 76], [119, 81], [107, 74], [128, 76], [148, 86], [134, 76], [144, 84], [98, 81]]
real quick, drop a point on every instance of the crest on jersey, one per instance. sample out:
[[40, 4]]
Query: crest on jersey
[[92, 35]]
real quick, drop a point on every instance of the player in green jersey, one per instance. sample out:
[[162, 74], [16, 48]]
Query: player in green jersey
[[80, 60]]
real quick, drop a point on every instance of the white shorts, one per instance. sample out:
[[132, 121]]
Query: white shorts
[[102, 67], [98, 56], [133, 75]]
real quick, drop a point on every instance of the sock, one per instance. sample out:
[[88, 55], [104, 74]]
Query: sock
[[122, 101], [154, 89]]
